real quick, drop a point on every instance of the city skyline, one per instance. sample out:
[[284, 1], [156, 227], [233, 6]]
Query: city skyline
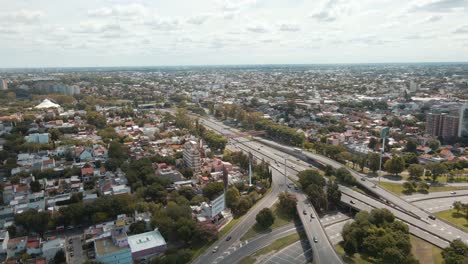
[[222, 32]]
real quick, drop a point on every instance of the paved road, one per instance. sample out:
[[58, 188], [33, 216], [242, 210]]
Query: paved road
[[297, 253], [273, 152], [323, 251], [434, 195], [440, 204], [236, 253]]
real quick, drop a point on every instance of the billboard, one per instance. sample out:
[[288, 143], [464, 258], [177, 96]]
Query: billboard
[[384, 132], [217, 205]]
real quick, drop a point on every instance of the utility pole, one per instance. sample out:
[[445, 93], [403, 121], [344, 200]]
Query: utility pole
[[383, 134], [250, 168], [285, 173]]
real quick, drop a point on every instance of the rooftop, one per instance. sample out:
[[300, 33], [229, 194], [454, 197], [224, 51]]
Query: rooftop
[[146, 240], [106, 246]]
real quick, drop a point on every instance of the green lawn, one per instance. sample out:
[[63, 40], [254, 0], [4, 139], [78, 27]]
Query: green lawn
[[274, 246], [425, 252], [398, 188], [280, 220], [455, 218], [356, 259]]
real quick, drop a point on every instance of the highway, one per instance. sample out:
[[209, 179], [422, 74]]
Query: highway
[[435, 195], [322, 251], [434, 231], [247, 221], [440, 204]]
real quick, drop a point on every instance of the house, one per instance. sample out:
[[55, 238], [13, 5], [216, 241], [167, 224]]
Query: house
[[33, 246], [16, 245], [51, 247], [4, 238]]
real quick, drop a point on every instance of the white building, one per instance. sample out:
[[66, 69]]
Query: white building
[[37, 138], [3, 84], [147, 245], [191, 156]]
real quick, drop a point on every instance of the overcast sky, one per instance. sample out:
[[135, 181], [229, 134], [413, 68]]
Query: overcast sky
[[50, 33]]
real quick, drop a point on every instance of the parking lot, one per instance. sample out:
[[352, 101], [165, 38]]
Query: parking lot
[[297, 253], [75, 250]]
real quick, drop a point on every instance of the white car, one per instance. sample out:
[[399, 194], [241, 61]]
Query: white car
[[215, 249]]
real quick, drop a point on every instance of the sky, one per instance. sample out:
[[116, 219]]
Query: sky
[[81, 33]]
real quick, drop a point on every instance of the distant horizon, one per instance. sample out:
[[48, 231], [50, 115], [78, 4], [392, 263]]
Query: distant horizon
[[236, 65], [123, 33]]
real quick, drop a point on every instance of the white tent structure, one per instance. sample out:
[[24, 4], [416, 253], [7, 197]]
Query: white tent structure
[[47, 104]]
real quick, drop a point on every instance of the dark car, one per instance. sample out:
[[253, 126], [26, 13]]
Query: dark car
[[315, 240], [228, 238], [352, 202], [432, 217], [304, 212]]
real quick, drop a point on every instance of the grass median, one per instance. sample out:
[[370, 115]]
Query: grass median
[[275, 246], [281, 219], [454, 217]]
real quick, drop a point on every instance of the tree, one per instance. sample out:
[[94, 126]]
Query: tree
[[287, 203], [317, 197], [434, 144], [118, 151], [374, 162], [54, 135], [437, 169], [416, 171], [137, 227], [409, 187], [455, 253], [350, 247], [35, 186], [333, 194], [372, 143], [96, 119], [59, 257], [265, 218], [457, 205], [243, 207], [411, 146], [309, 177], [213, 189], [395, 165], [232, 197]]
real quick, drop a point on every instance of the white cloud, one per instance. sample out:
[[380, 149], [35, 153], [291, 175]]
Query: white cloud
[[129, 11], [257, 28], [328, 12], [462, 30], [163, 24], [198, 19], [92, 27], [292, 27], [26, 16]]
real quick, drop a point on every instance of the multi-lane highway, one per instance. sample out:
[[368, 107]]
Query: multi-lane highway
[[435, 231]]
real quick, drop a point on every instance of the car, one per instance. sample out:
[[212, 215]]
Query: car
[[352, 202], [452, 193], [71, 254], [296, 188], [293, 166], [432, 217], [312, 216], [315, 240], [304, 212], [258, 148], [228, 238], [374, 186], [363, 179], [289, 186], [279, 165], [215, 249]]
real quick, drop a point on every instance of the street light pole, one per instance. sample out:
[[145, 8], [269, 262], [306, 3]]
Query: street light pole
[[285, 172], [381, 154]]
